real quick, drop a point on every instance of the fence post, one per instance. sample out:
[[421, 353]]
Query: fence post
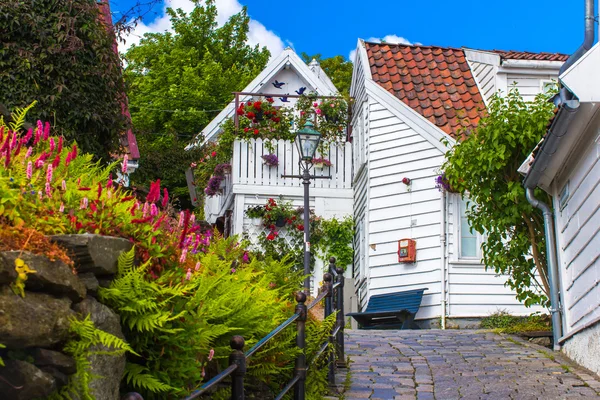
[[340, 318], [300, 368], [237, 357], [328, 286]]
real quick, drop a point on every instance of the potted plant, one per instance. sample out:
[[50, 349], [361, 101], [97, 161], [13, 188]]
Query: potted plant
[[321, 162], [271, 160], [278, 214], [255, 214]]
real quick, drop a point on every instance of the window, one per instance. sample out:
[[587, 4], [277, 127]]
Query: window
[[470, 240], [548, 85]]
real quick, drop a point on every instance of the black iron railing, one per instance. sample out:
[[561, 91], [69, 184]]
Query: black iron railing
[[333, 293]]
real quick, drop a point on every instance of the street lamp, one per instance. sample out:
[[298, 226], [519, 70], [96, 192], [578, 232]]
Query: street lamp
[[307, 140]]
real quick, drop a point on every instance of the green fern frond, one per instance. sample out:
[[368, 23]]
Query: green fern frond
[[18, 116], [139, 377]]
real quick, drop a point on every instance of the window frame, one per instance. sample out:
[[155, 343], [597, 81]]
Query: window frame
[[457, 243]]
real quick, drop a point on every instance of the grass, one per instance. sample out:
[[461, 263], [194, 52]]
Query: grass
[[503, 322]]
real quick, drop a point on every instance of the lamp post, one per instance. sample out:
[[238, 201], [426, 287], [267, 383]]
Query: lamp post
[[307, 141]]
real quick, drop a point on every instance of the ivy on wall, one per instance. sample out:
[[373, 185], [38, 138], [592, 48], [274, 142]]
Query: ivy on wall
[[59, 53]]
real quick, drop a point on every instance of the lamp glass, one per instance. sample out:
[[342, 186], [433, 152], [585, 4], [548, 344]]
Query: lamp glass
[[307, 141]]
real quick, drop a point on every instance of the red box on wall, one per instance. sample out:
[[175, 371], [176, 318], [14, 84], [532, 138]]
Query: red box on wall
[[407, 251]]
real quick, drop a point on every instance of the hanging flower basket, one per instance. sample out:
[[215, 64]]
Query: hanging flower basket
[[280, 222], [321, 162], [271, 160]]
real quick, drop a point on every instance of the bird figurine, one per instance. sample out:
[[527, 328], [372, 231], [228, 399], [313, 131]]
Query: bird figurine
[[278, 84], [301, 90], [284, 99]]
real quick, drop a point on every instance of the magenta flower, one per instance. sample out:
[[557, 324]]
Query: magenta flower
[[49, 174], [211, 354], [46, 130], [124, 167], [188, 274], [180, 223], [153, 210], [64, 185], [197, 267], [145, 209], [62, 207], [233, 270], [183, 255], [83, 205], [318, 111], [48, 190], [52, 145], [29, 170], [29, 151]]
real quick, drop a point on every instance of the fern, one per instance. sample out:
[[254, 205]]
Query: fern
[[18, 117], [87, 336], [2, 361], [139, 377]]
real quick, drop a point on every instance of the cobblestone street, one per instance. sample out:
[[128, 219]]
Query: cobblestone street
[[459, 364]]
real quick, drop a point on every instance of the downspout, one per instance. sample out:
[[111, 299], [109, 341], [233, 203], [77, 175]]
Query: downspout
[[552, 264], [443, 258], [588, 40]]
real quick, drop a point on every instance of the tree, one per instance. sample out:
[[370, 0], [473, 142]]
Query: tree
[[337, 68], [59, 53], [484, 167], [179, 81]]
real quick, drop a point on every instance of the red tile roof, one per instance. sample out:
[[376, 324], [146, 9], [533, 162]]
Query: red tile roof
[[526, 55], [434, 81]]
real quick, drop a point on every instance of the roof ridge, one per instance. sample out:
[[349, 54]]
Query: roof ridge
[[414, 45]]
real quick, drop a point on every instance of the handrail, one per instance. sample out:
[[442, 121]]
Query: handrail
[[238, 359], [218, 378], [288, 387], [271, 335]]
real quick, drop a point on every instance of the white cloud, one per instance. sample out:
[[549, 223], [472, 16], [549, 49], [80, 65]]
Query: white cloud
[[258, 33], [388, 39]]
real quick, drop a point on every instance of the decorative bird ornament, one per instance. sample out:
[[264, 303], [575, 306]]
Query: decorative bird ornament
[[278, 84], [301, 90], [284, 99]]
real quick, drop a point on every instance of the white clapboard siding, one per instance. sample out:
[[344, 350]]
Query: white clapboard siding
[[485, 76], [471, 284], [529, 85], [579, 238], [396, 211]]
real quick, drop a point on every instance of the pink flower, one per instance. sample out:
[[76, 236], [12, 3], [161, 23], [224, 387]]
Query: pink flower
[[38, 132], [332, 105], [110, 181], [40, 194], [315, 104], [29, 169], [197, 267], [153, 210], [52, 145], [180, 223], [49, 174], [193, 165], [48, 189], [165, 200], [60, 145], [318, 111], [302, 113], [211, 354], [64, 185], [183, 255], [29, 151], [192, 219], [233, 270], [83, 204], [62, 207], [124, 167], [46, 130], [188, 275], [29, 135], [145, 209]]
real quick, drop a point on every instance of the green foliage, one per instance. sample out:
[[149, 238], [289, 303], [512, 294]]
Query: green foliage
[[2, 361], [484, 168], [337, 68], [504, 322], [59, 53], [87, 340], [179, 81], [336, 240]]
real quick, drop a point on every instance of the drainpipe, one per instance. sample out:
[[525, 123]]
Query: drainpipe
[[443, 258], [588, 40], [552, 264]]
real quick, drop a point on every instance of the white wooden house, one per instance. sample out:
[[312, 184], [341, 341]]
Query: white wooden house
[[567, 166], [409, 100], [252, 183]]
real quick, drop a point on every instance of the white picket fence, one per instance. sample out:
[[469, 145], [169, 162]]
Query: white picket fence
[[248, 167]]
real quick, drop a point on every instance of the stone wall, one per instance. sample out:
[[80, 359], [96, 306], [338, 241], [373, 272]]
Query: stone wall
[[584, 348], [34, 328]]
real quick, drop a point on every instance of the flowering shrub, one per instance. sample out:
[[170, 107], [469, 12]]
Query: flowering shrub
[[213, 187], [191, 289], [255, 212], [442, 183], [262, 119], [321, 162], [271, 160]]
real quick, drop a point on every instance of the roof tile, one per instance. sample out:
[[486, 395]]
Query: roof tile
[[526, 55]]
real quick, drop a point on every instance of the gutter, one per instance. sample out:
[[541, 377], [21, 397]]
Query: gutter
[[567, 108]]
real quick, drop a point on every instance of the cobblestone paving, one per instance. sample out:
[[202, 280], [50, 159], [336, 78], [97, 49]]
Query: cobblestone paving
[[452, 364]]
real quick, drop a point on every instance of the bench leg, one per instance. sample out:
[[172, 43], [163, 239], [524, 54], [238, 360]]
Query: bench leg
[[409, 322]]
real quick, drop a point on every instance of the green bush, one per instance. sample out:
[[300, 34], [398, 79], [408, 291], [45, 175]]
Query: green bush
[[503, 321]]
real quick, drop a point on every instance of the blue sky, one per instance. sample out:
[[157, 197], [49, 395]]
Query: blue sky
[[333, 27]]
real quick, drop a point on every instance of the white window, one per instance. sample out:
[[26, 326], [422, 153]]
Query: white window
[[470, 241]]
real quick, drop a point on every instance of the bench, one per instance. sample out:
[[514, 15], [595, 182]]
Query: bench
[[391, 310]]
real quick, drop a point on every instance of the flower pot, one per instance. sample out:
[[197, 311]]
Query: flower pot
[[280, 222], [256, 221]]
